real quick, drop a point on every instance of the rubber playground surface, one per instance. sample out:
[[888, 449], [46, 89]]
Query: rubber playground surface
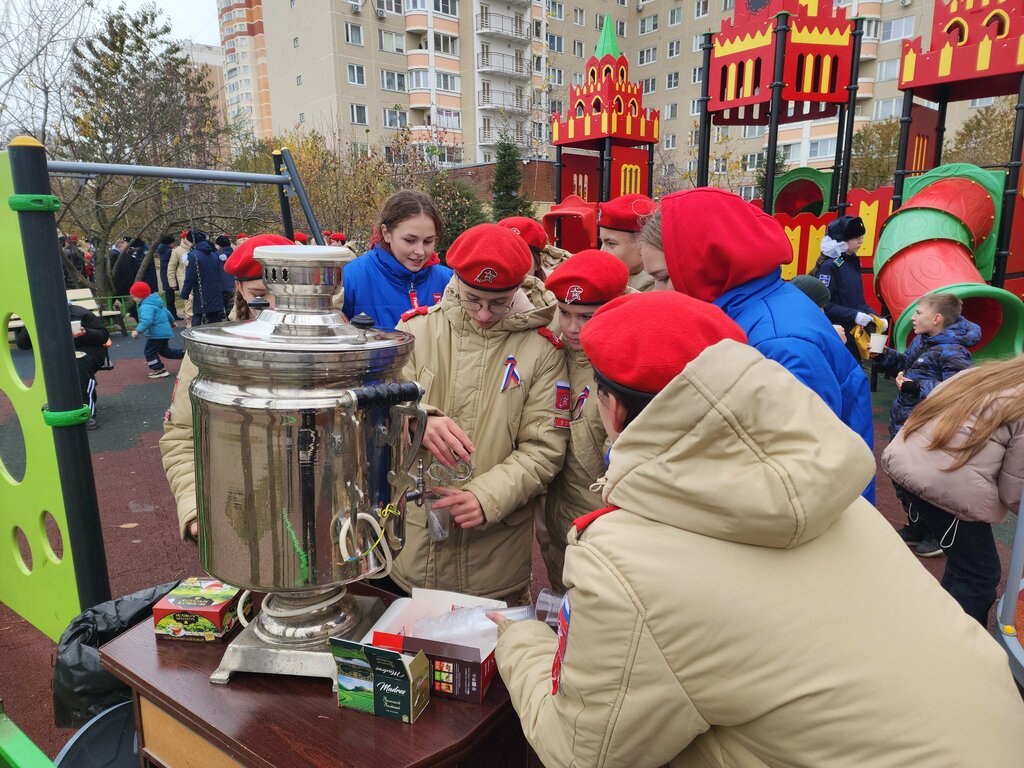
[[140, 526]]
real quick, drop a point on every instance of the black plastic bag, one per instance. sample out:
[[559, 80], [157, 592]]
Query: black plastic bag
[[81, 689]]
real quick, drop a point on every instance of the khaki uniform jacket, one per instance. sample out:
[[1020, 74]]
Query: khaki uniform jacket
[[984, 489], [518, 447], [176, 267], [177, 450], [569, 495], [641, 282], [745, 608]]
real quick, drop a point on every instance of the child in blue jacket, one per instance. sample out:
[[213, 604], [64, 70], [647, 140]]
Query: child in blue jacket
[[156, 323]]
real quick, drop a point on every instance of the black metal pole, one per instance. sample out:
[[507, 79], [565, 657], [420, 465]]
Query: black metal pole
[[851, 111], [300, 192], [605, 168], [704, 132], [837, 163], [901, 150], [1010, 192], [650, 170], [57, 358], [558, 173], [781, 28], [940, 132], [282, 198]]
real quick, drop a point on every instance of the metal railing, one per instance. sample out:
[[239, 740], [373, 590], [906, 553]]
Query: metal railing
[[494, 135], [512, 102], [506, 26], [504, 63]]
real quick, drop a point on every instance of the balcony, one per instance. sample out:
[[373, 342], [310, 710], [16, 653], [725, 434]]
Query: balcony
[[489, 135], [508, 27], [504, 101], [865, 89], [504, 64]]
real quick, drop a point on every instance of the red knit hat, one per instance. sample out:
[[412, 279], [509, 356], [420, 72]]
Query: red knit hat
[[642, 341], [242, 265], [339, 236], [589, 277], [715, 241], [490, 257], [530, 230], [140, 290], [72, 238], [626, 213], [301, 237]]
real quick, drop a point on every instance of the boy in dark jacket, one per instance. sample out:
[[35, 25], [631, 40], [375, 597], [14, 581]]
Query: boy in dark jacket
[[156, 322], [203, 281], [938, 352]]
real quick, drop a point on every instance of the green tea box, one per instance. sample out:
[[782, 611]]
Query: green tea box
[[202, 609], [381, 682]]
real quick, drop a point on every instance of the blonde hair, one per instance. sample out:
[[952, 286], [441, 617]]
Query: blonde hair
[[651, 232], [945, 304], [991, 393]]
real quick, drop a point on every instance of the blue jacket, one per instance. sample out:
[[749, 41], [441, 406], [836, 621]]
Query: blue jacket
[[375, 283], [785, 326], [154, 319], [203, 273], [227, 281], [846, 283], [929, 360], [163, 252]]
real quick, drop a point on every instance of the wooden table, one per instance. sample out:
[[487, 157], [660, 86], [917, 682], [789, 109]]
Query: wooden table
[[267, 721]]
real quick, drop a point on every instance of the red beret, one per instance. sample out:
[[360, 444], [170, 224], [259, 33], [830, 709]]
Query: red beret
[[242, 265], [241, 236], [530, 230], [589, 277], [325, 232], [490, 257], [626, 213], [184, 235], [72, 238], [301, 237], [642, 341], [140, 290], [715, 241], [338, 236]]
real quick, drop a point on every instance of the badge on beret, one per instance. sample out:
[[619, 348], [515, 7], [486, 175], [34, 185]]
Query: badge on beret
[[826, 279], [511, 377], [563, 404], [563, 636], [487, 275], [574, 293]]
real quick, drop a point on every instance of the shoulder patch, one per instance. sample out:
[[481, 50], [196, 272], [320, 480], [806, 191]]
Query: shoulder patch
[[826, 279], [548, 334], [581, 523], [411, 313]]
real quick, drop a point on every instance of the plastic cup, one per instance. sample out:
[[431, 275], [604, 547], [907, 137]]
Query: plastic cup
[[76, 327], [548, 605], [438, 520], [877, 342]]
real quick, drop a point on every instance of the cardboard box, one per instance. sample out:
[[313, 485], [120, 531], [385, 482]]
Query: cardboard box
[[461, 672], [381, 682], [201, 609]]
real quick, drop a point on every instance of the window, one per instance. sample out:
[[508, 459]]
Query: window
[[395, 118], [721, 133], [555, 108], [671, 111], [302, 117], [649, 85], [691, 165], [353, 33], [748, 192], [700, 9], [556, 10], [415, 5], [447, 81], [898, 29], [538, 29], [298, 79], [392, 81], [675, 16], [391, 6], [822, 148], [754, 131], [696, 75], [578, 78], [789, 152], [293, 3], [577, 48], [871, 27], [538, 63], [719, 165], [984, 102], [579, 17], [447, 7], [392, 42], [295, 42], [647, 56], [888, 70], [648, 24], [694, 137], [888, 108], [446, 44], [671, 80], [620, 28], [728, 5], [673, 48], [449, 118], [697, 40], [555, 76], [695, 107], [555, 43], [419, 80], [358, 112], [356, 74], [669, 141], [598, 21]]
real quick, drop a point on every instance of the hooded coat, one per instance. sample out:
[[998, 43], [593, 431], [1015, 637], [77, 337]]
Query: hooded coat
[[518, 447], [154, 318], [203, 279], [378, 285], [742, 276], [785, 625]]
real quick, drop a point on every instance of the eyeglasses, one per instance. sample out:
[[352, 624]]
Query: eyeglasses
[[494, 307]]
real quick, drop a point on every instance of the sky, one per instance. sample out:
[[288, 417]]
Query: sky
[[194, 20]]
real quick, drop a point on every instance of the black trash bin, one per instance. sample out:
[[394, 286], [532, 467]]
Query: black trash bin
[[108, 740], [81, 689]]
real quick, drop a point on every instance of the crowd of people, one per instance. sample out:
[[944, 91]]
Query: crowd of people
[[690, 438]]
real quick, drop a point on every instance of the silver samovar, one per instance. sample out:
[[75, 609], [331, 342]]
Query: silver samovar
[[302, 439]]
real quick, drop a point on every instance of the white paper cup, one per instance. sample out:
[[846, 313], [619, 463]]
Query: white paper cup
[[76, 327], [877, 342]]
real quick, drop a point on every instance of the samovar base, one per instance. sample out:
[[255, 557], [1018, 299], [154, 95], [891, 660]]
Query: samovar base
[[250, 652]]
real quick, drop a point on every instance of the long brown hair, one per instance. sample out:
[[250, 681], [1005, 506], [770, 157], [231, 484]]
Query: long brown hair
[[404, 205], [993, 393]]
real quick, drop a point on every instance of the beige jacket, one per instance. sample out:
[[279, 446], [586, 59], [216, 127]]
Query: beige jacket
[[177, 450], [984, 489], [641, 282], [176, 267], [746, 608], [518, 447], [569, 495]]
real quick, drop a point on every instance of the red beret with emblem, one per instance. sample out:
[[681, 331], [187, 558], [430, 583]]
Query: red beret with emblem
[[589, 277], [490, 257], [642, 341], [530, 230], [627, 213], [301, 237], [242, 265]]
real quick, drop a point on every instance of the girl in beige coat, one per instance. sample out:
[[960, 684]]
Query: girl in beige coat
[[958, 464]]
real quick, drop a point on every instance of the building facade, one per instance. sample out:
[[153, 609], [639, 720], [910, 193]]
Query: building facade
[[247, 88]]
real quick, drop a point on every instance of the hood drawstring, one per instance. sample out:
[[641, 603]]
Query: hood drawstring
[[599, 484]]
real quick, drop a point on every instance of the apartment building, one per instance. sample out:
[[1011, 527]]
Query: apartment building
[[211, 57], [462, 72], [247, 90]]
